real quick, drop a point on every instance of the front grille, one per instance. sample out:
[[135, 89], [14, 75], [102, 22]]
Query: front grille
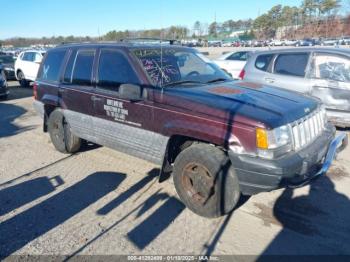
[[308, 128]]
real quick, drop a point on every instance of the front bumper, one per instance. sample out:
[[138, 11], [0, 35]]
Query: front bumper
[[10, 74], [257, 175]]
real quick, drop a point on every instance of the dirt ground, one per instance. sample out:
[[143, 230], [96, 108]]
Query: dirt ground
[[100, 201]]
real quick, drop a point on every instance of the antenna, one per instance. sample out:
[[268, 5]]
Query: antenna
[[161, 44]]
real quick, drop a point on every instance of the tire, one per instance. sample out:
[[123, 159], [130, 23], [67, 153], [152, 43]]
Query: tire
[[206, 181], [4, 97], [60, 133], [21, 79]]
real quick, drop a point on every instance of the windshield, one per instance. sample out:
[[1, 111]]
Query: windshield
[[176, 66], [6, 59]]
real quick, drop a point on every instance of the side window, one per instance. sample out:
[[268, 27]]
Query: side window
[[114, 69], [37, 57], [239, 56], [291, 64], [69, 68], [28, 56], [262, 62], [330, 67], [82, 71], [51, 67]]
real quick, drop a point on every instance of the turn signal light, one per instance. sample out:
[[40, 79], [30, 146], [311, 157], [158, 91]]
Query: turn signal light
[[261, 138], [35, 90]]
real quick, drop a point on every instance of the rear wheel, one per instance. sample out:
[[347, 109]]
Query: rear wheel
[[205, 180], [21, 79], [61, 135]]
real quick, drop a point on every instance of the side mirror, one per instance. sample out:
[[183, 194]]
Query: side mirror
[[130, 92]]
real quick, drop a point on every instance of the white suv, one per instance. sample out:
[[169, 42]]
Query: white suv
[[27, 66]]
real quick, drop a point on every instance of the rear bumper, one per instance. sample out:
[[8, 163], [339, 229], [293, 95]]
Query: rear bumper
[[39, 108], [295, 169]]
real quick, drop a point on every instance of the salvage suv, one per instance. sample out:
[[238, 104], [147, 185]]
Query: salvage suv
[[172, 106]]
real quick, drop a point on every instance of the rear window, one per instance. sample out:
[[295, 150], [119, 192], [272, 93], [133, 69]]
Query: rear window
[[28, 56], [262, 62], [50, 69], [239, 56], [82, 71], [291, 64]]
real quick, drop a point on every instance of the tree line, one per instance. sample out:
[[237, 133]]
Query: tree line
[[313, 18]]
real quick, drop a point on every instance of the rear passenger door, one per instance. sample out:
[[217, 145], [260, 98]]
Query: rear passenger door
[[76, 91], [289, 72], [27, 60]]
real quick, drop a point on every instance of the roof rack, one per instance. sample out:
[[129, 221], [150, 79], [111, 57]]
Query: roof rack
[[148, 40]]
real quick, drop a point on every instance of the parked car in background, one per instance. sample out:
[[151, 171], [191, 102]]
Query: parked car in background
[[306, 42], [27, 65], [172, 106], [276, 42], [233, 62], [227, 44], [320, 72], [3, 84], [329, 41], [8, 64], [345, 40], [287, 42]]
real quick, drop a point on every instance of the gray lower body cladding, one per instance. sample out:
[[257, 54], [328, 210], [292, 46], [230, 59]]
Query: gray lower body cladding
[[134, 141], [131, 140]]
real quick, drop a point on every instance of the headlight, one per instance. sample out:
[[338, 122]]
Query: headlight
[[324, 115], [273, 143], [8, 69]]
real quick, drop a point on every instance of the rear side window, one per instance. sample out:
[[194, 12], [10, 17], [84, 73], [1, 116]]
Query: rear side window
[[28, 56], [262, 62], [330, 67], [239, 56], [291, 64], [50, 69], [82, 71], [114, 70]]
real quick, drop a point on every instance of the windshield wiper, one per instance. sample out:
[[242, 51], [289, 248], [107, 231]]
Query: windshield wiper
[[183, 82], [217, 80]]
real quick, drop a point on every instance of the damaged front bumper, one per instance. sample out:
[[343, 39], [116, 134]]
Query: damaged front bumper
[[295, 169]]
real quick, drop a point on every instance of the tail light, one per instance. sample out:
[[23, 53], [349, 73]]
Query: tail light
[[35, 90], [242, 74]]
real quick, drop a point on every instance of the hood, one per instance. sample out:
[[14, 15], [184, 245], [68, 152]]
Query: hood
[[265, 104]]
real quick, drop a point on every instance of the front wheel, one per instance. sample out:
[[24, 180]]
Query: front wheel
[[61, 135], [206, 181]]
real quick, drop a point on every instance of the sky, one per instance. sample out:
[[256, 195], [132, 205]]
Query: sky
[[37, 18]]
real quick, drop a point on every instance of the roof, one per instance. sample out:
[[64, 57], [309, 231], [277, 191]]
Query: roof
[[128, 45], [344, 51]]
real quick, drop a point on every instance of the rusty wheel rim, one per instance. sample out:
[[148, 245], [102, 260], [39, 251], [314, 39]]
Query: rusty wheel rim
[[198, 182]]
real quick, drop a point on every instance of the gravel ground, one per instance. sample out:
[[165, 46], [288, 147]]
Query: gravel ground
[[100, 201]]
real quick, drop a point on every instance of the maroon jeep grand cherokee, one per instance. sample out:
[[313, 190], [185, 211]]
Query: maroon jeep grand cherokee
[[170, 105]]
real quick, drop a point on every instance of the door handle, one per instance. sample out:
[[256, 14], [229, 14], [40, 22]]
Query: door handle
[[269, 80], [96, 98]]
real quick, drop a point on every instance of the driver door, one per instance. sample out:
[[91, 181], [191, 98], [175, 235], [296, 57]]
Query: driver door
[[120, 123]]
